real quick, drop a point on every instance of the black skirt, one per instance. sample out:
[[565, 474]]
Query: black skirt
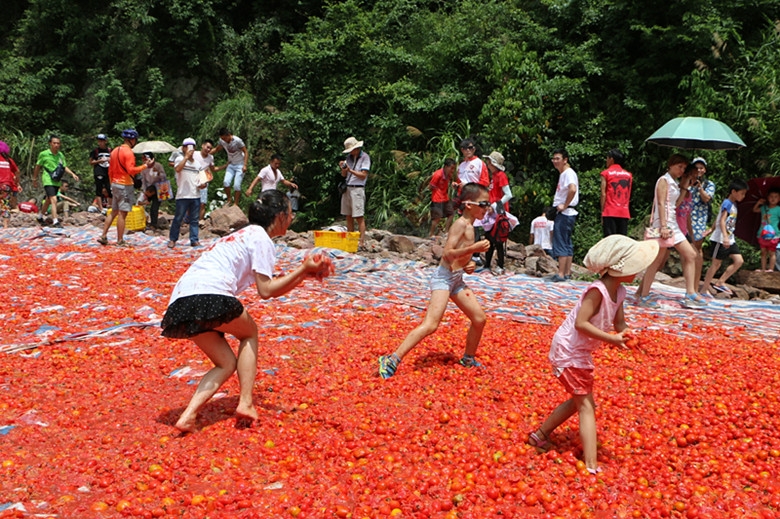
[[193, 315]]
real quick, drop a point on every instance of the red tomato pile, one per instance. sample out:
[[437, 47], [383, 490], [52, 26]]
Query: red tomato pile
[[687, 428]]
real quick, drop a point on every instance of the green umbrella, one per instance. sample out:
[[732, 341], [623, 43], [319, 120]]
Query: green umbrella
[[696, 133]]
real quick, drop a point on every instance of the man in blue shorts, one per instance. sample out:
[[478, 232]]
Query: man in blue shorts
[[567, 196], [238, 156]]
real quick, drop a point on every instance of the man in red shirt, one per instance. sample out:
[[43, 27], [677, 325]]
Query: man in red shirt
[[441, 206], [121, 170], [615, 195]]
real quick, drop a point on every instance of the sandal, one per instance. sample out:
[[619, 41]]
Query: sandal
[[470, 362], [539, 441], [102, 240]]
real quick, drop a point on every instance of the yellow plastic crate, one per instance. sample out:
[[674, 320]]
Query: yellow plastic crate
[[346, 241], [135, 221]]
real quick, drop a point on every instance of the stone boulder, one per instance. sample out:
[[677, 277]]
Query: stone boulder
[[540, 266], [401, 244], [533, 250], [515, 251], [769, 281], [227, 219], [437, 251]]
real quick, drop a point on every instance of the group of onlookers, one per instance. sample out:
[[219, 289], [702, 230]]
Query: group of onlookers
[[681, 216], [118, 175]]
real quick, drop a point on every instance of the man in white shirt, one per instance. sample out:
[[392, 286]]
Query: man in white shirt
[[472, 169], [187, 167], [270, 176], [567, 196], [205, 162]]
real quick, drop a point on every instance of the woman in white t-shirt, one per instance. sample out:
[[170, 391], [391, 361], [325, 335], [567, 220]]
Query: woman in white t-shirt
[[204, 306]]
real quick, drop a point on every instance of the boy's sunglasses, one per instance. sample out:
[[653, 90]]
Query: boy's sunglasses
[[482, 204]]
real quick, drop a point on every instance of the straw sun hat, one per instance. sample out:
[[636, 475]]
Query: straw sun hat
[[496, 159], [619, 255], [352, 143]]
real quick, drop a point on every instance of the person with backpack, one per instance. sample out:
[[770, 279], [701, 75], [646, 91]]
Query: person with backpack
[[51, 165], [499, 197]]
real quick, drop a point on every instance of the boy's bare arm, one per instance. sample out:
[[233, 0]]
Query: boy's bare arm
[[723, 232]]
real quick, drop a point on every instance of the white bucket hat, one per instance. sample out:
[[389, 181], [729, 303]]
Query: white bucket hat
[[189, 141], [496, 159], [352, 143], [619, 255]]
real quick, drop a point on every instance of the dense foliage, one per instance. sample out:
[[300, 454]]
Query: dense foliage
[[410, 77]]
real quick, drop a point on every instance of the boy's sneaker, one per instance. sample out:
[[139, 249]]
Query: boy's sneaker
[[387, 365], [497, 271], [40, 219], [692, 301], [470, 362]]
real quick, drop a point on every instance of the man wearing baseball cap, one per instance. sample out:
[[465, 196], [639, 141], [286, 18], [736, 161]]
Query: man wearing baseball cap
[[121, 170], [99, 159]]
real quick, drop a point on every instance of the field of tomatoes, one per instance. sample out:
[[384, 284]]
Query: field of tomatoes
[[688, 427]]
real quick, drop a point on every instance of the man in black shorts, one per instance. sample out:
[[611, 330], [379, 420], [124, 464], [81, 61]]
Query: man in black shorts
[[99, 158]]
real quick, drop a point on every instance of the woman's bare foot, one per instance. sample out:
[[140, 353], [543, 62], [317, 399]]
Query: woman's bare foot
[[187, 424], [248, 412]]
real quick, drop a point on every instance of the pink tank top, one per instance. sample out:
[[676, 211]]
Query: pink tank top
[[572, 349]]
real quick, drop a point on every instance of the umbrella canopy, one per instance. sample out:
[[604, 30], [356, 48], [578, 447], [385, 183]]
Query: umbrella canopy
[[153, 147], [698, 133], [748, 221]]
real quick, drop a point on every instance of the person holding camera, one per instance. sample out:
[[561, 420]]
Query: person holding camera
[[355, 170], [188, 166]]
